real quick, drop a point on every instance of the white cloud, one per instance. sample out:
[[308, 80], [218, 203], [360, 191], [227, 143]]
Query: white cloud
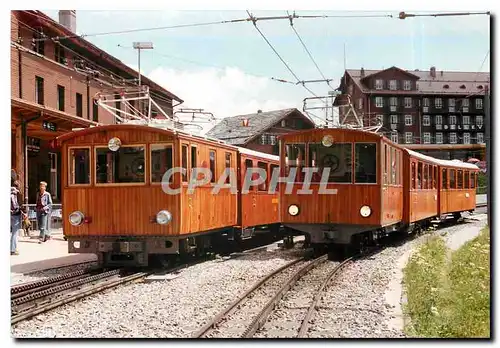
[[227, 92]]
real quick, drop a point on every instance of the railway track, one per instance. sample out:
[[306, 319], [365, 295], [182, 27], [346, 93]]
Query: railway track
[[243, 317], [30, 299]]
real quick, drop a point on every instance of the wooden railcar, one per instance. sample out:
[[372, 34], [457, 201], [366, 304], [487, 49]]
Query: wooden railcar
[[421, 192], [365, 185], [115, 199], [258, 209], [457, 182]]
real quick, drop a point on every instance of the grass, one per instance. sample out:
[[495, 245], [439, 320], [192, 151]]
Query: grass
[[448, 293]]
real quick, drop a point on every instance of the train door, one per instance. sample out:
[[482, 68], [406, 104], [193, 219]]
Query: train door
[[186, 200]]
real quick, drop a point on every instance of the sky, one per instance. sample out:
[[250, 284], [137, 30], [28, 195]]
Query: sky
[[226, 69]]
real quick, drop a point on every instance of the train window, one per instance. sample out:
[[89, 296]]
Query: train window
[[386, 159], [274, 168], [184, 162], [466, 179], [194, 153], [80, 166], [126, 165], [213, 165], [413, 176], [338, 158], [366, 163], [434, 178], [228, 166], [161, 161], [263, 186], [472, 180], [419, 176], [295, 157], [453, 178], [460, 180], [445, 179], [394, 166], [426, 177], [248, 165]]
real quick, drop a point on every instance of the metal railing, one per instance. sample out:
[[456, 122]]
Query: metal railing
[[55, 220]]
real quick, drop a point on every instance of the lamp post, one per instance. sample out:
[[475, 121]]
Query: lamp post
[[141, 46]]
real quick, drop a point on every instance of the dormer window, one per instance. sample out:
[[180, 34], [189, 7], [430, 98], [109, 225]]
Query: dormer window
[[283, 123], [462, 87], [480, 87], [379, 84], [393, 85], [446, 86]]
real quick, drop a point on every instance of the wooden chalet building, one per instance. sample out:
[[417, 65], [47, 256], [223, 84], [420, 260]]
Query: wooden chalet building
[[259, 131]]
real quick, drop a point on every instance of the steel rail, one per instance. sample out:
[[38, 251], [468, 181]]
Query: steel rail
[[319, 293], [59, 288], [218, 318], [261, 318], [38, 285], [76, 296]]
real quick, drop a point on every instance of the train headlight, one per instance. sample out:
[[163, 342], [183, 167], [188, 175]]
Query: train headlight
[[365, 211], [293, 210], [163, 217], [114, 144], [76, 218]]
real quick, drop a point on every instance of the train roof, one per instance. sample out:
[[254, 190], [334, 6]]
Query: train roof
[[447, 163], [249, 152]]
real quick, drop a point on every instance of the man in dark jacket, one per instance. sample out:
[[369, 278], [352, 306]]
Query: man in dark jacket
[[15, 217]]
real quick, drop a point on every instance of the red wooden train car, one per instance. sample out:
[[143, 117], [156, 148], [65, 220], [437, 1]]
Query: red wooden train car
[[375, 186], [115, 199], [363, 191]]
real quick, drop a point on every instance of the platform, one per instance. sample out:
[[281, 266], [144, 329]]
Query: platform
[[37, 257]]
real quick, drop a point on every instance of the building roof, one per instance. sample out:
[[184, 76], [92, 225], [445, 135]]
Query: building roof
[[232, 131], [62, 31], [426, 84]]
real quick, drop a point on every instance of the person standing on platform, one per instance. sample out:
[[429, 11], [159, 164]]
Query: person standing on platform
[[15, 216], [43, 212]]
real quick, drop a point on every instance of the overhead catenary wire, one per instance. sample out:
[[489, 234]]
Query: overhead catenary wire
[[239, 20], [307, 50]]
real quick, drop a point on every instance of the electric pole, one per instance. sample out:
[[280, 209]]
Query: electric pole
[[489, 165]]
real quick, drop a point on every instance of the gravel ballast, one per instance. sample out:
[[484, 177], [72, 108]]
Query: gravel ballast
[[354, 304]]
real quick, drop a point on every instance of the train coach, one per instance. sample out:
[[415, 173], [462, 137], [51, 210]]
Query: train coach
[[115, 203], [353, 187]]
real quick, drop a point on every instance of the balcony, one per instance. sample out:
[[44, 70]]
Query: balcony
[[451, 109], [453, 127], [425, 109], [439, 126], [393, 108], [394, 126], [466, 127], [465, 109]]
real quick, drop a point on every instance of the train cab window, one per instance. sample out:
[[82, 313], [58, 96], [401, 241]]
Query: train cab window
[[472, 180], [184, 162], [161, 161], [453, 178], [213, 165], [295, 157], [426, 177], [460, 180], [413, 176], [263, 166], [124, 166], [386, 159], [80, 166], [419, 176], [338, 158], [466, 179], [228, 159], [366, 163], [444, 178]]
